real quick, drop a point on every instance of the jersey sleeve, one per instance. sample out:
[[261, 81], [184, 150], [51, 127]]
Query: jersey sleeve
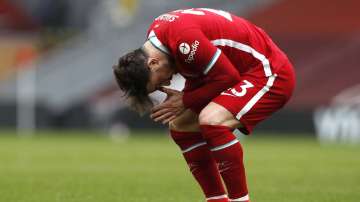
[[199, 57], [194, 51]]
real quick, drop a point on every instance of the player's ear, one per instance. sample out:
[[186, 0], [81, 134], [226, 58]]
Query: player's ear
[[152, 62]]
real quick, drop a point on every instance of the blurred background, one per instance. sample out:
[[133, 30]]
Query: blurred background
[[56, 59], [66, 133]]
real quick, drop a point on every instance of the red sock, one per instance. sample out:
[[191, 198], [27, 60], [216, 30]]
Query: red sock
[[201, 164], [228, 153]]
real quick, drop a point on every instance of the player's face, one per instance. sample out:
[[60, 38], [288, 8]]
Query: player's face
[[161, 71]]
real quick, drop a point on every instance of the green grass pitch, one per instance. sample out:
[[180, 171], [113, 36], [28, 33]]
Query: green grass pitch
[[76, 167]]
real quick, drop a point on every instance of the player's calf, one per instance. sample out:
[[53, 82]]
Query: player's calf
[[200, 161], [225, 148], [185, 132]]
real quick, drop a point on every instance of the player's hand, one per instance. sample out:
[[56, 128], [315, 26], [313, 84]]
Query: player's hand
[[172, 107]]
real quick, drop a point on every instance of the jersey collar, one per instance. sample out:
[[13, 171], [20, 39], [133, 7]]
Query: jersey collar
[[157, 43]]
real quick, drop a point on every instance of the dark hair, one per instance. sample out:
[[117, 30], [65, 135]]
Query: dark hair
[[132, 76]]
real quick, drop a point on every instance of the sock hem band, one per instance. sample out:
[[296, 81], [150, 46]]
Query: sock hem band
[[242, 199], [192, 147], [225, 145], [217, 197]]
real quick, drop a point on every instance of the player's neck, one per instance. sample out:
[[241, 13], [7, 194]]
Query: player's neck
[[152, 51]]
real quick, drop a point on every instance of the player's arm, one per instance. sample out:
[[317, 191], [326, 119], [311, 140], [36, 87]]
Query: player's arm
[[205, 61], [208, 63]]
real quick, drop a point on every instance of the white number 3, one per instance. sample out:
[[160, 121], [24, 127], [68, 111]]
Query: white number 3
[[243, 89]]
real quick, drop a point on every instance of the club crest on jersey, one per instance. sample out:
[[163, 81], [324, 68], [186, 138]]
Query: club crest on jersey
[[194, 47], [184, 48]]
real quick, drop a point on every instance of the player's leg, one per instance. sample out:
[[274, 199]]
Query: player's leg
[[185, 132], [217, 125], [243, 106]]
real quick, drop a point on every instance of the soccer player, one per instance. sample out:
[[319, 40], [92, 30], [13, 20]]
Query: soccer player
[[235, 78]]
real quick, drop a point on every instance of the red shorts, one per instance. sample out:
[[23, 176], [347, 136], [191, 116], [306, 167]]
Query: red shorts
[[256, 97]]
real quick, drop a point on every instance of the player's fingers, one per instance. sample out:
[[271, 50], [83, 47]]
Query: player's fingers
[[160, 107], [164, 117], [169, 119], [168, 91], [159, 113]]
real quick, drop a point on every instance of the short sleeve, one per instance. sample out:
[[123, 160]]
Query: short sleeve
[[195, 52]]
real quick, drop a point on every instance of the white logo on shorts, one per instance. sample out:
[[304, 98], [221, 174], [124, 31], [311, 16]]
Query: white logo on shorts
[[184, 48]]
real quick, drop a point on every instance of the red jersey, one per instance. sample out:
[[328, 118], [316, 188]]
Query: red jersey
[[214, 46]]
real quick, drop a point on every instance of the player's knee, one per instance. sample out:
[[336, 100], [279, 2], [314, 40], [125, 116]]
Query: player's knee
[[185, 122], [175, 125], [179, 125], [215, 114], [210, 117]]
